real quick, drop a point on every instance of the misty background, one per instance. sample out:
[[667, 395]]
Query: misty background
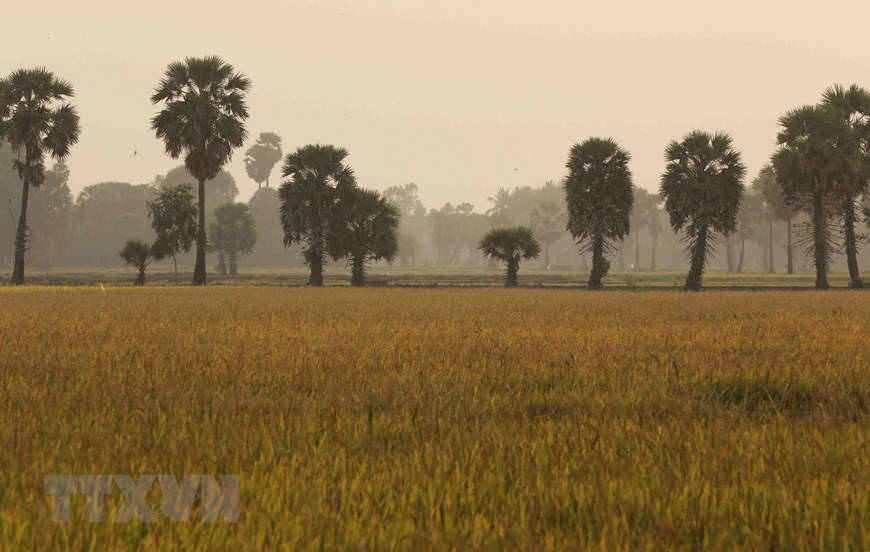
[[462, 99]]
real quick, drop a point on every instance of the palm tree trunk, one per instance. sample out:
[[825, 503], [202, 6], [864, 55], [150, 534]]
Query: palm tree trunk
[[315, 277], [513, 267], [851, 244], [652, 262], [770, 268], [729, 252], [820, 241], [637, 251], [358, 272], [234, 265], [199, 267], [740, 258], [599, 263], [21, 237], [699, 259], [222, 264], [789, 250]]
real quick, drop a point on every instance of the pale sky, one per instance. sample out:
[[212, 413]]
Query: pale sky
[[461, 97]]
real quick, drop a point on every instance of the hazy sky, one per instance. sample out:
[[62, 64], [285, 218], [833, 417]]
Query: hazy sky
[[460, 97]]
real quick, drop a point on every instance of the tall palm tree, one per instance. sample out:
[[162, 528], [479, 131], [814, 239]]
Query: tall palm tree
[[853, 105], [233, 232], [816, 147], [599, 194], [365, 231], [510, 245], [261, 158], [37, 120], [701, 188], [203, 118], [316, 176]]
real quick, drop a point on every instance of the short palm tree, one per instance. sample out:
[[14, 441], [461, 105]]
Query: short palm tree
[[365, 231], [138, 254], [701, 188], [233, 232], [816, 147], [37, 120], [203, 118], [599, 194], [316, 176], [853, 105], [510, 245]]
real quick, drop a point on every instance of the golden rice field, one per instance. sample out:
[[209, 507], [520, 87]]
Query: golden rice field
[[445, 419]]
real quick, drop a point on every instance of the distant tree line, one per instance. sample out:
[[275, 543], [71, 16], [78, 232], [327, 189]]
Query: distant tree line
[[812, 199]]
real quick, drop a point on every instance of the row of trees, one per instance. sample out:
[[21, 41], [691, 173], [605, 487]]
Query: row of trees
[[820, 169]]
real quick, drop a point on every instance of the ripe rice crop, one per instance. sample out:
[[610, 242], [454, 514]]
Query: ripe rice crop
[[452, 418]]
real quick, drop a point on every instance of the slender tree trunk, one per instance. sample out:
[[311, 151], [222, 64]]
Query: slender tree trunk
[[222, 264], [820, 241], [742, 252], [175, 267], [851, 243], [513, 267], [652, 262], [699, 259], [358, 271], [140, 279], [729, 252], [315, 277], [21, 237], [234, 264], [637, 251], [199, 267], [599, 263], [789, 250], [770, 267]]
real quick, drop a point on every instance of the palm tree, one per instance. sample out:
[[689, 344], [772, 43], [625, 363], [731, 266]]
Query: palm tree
[[138, 254], [775, 209], [645, 210], [510, 245], [816, 147], [365, 231], [36, 120], [233, 232], [749, 219], [203, 119], [853, 105], [547, 221], [261, 158], [316, 176], [701, 188], [599, 194]]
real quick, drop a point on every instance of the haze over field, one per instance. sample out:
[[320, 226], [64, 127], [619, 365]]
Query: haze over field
[[461, 98]]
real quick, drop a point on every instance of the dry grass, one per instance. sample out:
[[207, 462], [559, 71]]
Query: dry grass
[[458, 419]]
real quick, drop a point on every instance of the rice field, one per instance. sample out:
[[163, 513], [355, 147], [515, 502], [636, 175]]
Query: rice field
[[444, 418]]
